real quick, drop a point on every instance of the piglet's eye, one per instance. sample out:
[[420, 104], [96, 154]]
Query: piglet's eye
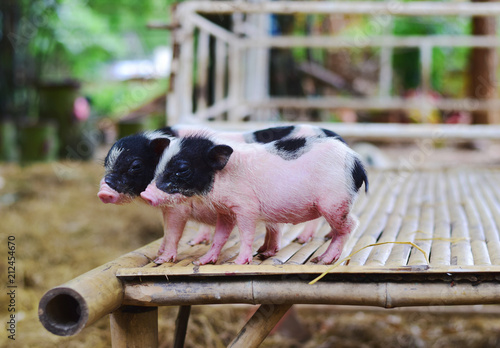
[[183, 171], [136, 165]]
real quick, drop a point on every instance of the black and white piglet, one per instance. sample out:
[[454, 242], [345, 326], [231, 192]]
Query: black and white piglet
[[284, 181]]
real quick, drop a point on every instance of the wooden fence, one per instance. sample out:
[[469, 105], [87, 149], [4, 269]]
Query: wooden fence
[[240, 86]]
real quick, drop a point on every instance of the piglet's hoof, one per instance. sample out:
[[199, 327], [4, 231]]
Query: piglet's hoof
[[265, 254], [325, 259], [163, 258], [302, 240], [243, 260], [204, 260]]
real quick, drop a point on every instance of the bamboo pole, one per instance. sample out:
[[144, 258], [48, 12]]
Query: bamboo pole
[[220, 69], [373, 103], [386, 131], [213, 29], [185, 79], [134, 327], [441, 250], [259, 325], [424, 8], [67, 309], [202, 57], [298, 291], [489, 41], [181, 324]]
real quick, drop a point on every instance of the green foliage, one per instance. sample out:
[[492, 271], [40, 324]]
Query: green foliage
[[116, 99], [446, 60], [74, 37]]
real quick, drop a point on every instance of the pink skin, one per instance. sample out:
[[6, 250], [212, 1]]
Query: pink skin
[[272, 242], [204, 236], [107, 195], [271, 194], [342, 224], [175, 220], [309, 230]]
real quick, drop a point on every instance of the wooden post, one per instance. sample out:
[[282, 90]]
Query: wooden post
[[202, 60], [482, 69], [185, 81], [181, 324], [235, 81], [220, 69], [134, 327], [259, 325]]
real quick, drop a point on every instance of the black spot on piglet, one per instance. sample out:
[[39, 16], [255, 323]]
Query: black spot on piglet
[[271, 134], [290, 149], [331, 134]]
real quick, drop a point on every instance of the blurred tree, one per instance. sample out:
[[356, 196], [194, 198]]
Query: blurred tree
[[483, 63], [59, 39]]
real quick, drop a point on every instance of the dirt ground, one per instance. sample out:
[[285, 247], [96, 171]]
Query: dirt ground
[[62, 230]]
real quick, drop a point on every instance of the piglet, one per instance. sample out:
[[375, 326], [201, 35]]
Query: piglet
[[284, 181], [130, 165]]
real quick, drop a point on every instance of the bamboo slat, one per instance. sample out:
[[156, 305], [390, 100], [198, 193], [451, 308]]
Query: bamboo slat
[[441, 250], [491, 216], [425, 231]]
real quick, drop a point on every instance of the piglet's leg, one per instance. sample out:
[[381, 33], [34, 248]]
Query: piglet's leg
[[203, 237], [223, 229], [174, 221], [272, 241], [310, 228], [246, 227], [342, 224]]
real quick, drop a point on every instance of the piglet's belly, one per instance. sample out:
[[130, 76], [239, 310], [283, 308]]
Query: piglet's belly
[[290, 214]]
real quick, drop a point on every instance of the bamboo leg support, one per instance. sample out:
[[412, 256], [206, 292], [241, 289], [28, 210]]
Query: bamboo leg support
[[134, 327], [181, 324], [259, 325]]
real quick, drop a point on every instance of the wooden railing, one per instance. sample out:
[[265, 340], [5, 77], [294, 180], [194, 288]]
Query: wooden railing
[[240, 86]]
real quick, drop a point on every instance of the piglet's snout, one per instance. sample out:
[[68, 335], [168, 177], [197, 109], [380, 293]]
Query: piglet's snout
[[107, 195], [150, 195]]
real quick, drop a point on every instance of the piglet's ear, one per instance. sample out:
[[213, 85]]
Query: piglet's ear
[[159, 145], [218, 156]]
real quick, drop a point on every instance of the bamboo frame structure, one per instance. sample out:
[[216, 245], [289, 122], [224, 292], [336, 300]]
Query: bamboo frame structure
[[246, 94]]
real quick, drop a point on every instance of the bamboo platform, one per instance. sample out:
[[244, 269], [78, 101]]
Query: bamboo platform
[[452, 217]]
